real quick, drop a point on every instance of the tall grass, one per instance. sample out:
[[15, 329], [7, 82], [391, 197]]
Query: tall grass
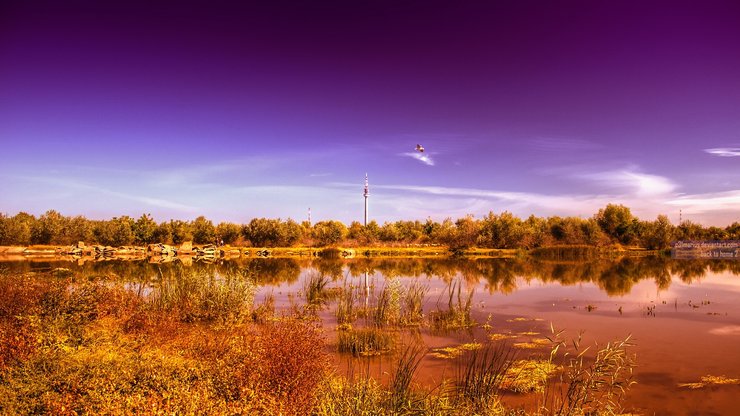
[[402, 397], [457, 315], [313, 289], [482, 375], [199, 296], [593, 386], [339, 396], [388, 306], [265, 310], [346, 311], [365, 341], [413, 304]]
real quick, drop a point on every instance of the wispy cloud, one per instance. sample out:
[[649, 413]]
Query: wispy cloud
[[724, 151], [716, 201], [421, 157], [631, 181], [76, 185]]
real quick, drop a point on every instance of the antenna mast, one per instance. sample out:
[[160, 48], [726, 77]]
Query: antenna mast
[[366, 194]]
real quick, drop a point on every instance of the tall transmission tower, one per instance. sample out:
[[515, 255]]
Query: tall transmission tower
[[366, 194]]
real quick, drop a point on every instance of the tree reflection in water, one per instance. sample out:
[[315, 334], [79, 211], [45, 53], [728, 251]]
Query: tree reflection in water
[[614, 276]]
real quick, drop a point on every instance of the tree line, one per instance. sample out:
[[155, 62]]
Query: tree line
[[613, 224]]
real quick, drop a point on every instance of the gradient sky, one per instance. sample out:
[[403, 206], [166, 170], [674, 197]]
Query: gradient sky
[[265, 109]]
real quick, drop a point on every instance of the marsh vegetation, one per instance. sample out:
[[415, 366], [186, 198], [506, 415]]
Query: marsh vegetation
[[274, 336]]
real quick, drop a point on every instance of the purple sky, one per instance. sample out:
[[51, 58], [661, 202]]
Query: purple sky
[[266, 109]]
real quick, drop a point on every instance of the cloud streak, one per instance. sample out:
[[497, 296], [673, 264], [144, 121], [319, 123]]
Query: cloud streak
[[724, 151], [632, 181], [421, 157], [71, 184], [716, 201]]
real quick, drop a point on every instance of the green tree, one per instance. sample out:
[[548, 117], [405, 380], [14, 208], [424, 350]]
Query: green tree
[[409, 231], [4, 223], [715, 233], [163, 233], [78, 229], [593, 234], [440, 233], [263, 232], [689, 230], [535, 233], [291, 233], [228, 232], [657, 234], [48, 228], [388, 232], [180, 231], [145, 229], [362, 234], [501, 231], [203, 230], [617, 222], [115, 232], [733, 231], [329, 232], [18, 229], [464, 234]]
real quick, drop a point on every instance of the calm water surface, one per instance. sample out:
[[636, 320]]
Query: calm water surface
[[683, 316]]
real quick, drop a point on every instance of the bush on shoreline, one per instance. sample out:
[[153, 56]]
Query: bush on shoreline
[[613, 224]]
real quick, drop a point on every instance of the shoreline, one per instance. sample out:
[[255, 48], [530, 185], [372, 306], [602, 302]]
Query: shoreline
[[163, 252]]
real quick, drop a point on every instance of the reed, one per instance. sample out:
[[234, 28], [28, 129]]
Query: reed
[[591, 387], [314, 289], [388, 306], [457, 315], [482, 375], [200, 296], [346, 311], [413, 304], [365, 342], [401, 396]]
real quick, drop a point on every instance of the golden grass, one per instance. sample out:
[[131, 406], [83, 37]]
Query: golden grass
[[526, 376], [501, 337], [707, 381], [454, 352], [522, 319]]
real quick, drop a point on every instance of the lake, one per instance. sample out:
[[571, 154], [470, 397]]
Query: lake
[[683, 316]]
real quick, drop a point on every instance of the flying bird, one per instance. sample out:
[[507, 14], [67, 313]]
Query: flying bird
[[419, 148]]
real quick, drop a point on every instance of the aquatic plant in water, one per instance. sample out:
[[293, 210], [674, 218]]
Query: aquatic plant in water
[[711, 381], [365, 341], [457, 315]]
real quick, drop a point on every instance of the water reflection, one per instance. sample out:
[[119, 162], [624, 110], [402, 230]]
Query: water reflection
[[614, 277]]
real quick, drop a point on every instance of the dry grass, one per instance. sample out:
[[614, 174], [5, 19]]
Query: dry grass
[[525, 376], [454, 352], [95, 347], [707, 381], [591, 386]]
